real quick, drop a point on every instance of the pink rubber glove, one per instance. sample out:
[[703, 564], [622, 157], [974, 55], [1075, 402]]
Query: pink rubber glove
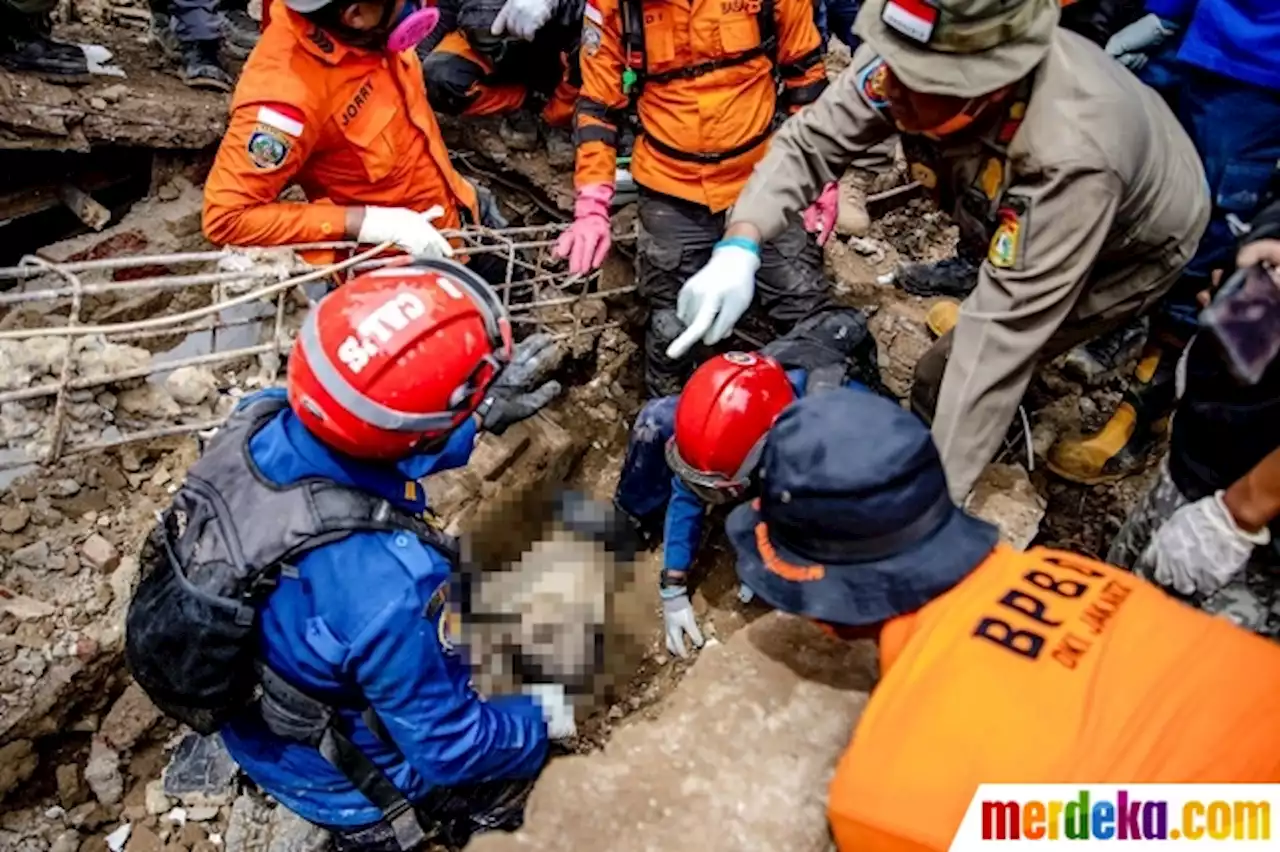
[[587, 240], [820, 216]]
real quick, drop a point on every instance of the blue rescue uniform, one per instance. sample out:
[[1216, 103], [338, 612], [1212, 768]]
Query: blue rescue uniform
[[357, 625]]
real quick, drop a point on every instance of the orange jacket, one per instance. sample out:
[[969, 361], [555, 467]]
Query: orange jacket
[[351, 127], [708, 88], [1048, 667]]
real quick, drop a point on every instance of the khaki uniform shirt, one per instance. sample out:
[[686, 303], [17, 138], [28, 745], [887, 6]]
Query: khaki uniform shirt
[[1086, 197]]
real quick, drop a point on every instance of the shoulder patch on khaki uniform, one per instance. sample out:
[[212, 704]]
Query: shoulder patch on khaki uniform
[[871, 80], [1010, 235]]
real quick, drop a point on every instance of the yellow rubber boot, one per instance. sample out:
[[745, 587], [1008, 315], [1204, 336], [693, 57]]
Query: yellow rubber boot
[[1121, 447], [942, 316]]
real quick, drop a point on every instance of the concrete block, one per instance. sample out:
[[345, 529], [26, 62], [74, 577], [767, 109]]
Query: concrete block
[[738, 760]]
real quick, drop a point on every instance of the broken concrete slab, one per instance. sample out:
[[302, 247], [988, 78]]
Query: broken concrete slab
[[739, 758], [1004, 496], [129, 719]]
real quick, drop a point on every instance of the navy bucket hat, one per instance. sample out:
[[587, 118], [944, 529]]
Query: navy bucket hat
[[854, 524]]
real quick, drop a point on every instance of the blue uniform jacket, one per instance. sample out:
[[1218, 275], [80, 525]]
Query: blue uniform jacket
[[1239, 39], [682, 526], [354, 626]]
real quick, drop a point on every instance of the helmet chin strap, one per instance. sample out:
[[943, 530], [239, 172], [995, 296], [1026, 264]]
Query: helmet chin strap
[[373, 40]]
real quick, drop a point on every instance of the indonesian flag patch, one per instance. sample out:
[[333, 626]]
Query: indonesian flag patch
[[287, 119], [593, 14], [915, 19]]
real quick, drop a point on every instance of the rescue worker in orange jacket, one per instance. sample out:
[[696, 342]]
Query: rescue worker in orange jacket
[[701, 78], [996, 665], [514, 58], [332, 99]]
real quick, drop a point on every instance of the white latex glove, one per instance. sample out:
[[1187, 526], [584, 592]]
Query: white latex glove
[[557, 712], [408, 229], [1142, 35], [678, 619], [715, 297], [745, 594], [1200, 548], [522, 18]]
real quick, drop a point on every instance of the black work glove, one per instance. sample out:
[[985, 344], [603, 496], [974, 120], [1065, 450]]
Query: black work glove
[[520, 391]]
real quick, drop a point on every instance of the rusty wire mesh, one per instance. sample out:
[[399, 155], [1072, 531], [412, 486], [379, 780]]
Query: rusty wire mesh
[[58, 361]]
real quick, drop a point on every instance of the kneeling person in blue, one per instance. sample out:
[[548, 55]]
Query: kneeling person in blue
[[700, 448], [297, 595]]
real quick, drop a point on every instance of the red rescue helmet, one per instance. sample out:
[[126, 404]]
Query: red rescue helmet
[[398, 357], [722, 417]]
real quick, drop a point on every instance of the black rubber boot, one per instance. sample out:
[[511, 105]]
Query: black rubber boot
[[955, 277], [239, 33], [26, 47], [1102, 356], [202, 68]]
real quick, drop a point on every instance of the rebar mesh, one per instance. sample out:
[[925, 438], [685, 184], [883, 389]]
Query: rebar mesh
[[66, 368]]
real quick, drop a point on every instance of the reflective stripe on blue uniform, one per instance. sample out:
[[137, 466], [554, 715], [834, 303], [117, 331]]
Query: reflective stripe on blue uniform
[[646, 483], [355, 626]]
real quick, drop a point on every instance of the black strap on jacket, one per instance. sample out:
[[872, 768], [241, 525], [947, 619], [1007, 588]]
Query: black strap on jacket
[[636, 74]]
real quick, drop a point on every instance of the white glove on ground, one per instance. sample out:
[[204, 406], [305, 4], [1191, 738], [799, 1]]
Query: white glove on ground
[[408, 229], [556, 709], [1200, 548], [678, 619], [745, 594], [715, 297], [522, 18]]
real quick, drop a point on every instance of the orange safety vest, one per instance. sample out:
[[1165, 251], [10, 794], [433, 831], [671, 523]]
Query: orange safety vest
[[708, 96], [1048, 667], [351, 127]]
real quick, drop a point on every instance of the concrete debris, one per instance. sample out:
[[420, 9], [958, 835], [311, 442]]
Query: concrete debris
[[15, 519], [67, 841], [34, 555], [143, 839], [102, 773], [149, 401], [291, 833], [200, 772], [132, 716], [154, 798], [72, 790], [1004, 496], [776, 701], [18, 762], [100, 553], [22, 607], [201, 813], [249, 829], [191, 385]]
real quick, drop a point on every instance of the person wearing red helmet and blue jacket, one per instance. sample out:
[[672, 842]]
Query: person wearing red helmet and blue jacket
[[297, 593], [699, 448]]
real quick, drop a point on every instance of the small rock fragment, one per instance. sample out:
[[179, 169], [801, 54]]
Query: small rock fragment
[[149, 401], [143, 839], [65, 487], [161, 477], [156, 801], [201, 813], [33, 555], [71, 787], [98, 103], [18, 762], [130, 717], [67, 841], [292, 833], [23, 607], [100, 553], [15, 519], [191, 385], [102, 773]]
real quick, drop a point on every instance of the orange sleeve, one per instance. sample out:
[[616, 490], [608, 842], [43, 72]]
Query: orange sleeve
[[601, 106], [800, 62], [255, 162]]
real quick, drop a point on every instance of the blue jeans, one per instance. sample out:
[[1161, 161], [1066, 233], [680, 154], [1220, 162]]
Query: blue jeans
[[835, 18], [645, 484], [1236, 130]]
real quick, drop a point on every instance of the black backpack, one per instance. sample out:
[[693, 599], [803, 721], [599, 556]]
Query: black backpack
[[208, 565]]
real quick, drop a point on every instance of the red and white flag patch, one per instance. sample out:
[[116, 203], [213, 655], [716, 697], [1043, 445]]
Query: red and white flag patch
[[915, 19], [282, 117], [593, 14]]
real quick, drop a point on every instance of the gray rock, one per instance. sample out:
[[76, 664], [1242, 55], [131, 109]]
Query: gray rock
[[15, 519], [71, 787], [201, 772], [33, 555], [249, 828], [65, 487], [100, 553], [130, 717], [191, 385], [67, 841], [102, 773], [292, 833], [149, 401], [18, 762]]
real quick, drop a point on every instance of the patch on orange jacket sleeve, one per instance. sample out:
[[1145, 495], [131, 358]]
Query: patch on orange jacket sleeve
[[268, 148]]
